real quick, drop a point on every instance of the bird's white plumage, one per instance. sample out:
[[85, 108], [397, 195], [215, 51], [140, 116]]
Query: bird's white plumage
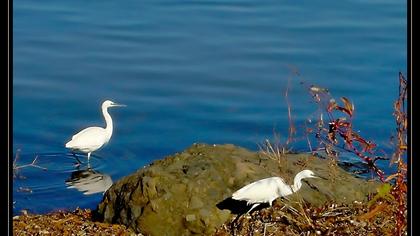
[[89, 139], [93, 138], [264, 190], [268, 189], [90, 130]]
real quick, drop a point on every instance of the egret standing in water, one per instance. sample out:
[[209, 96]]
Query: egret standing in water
[[93, 138], [267, 190]]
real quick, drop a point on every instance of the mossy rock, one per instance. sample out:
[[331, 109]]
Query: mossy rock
[[179, 195]]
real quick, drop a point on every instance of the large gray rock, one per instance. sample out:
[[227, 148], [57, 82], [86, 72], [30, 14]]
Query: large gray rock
[[179, 194]]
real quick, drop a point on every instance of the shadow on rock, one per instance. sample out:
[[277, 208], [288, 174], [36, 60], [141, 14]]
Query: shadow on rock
[[238, 207]]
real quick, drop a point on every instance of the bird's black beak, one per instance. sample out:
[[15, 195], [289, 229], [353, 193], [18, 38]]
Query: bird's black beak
[[320, 177]]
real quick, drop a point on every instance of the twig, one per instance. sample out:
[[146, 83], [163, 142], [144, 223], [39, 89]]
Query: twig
[[16, 168], [32, 164]]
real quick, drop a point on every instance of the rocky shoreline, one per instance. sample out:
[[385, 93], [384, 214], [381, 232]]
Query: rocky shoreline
[[182, 194]]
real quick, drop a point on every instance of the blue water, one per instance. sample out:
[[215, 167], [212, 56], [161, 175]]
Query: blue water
[[212, 71]]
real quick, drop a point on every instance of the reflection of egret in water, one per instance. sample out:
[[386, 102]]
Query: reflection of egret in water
[[89, 181]]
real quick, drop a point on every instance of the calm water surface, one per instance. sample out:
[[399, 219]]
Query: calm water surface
[[189, 71]]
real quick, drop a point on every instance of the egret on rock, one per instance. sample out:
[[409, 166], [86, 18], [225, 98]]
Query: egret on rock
[[93, 138], [268, 189]]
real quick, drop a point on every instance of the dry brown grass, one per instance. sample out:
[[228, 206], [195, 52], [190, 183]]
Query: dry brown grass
[[304, 219]]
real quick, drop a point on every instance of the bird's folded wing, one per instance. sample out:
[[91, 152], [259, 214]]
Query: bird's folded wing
[[259, 191], [88, 131]]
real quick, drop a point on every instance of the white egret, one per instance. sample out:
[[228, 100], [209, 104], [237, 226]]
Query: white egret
[[93, 138], [267, 190]]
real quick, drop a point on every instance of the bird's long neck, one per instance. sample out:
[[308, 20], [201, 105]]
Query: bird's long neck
[[297, 184], [108, 121]]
